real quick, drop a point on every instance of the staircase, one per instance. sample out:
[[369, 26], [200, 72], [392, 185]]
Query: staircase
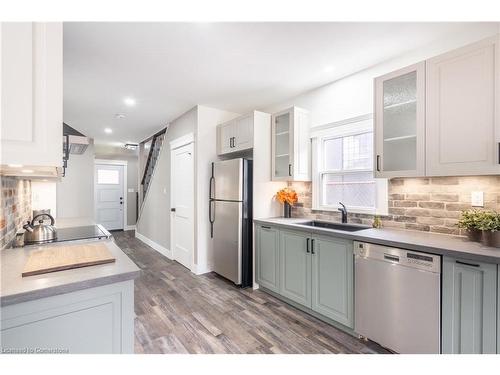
[[154, 152]]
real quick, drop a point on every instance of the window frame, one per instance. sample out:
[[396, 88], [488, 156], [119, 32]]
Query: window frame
[[350, 127]]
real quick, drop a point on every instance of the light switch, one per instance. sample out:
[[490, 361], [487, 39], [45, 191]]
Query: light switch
[[477, 199], [131, 190]]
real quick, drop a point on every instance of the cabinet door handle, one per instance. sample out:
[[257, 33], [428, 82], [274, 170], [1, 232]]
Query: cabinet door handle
[[265, 227], [307, 245], [289, 169], [312, 246], [231, 142], [498, 152], [234, 141], [378, 163], [467, 264]]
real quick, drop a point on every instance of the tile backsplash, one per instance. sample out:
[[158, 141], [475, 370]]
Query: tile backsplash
[[15, 207], [429, 204]]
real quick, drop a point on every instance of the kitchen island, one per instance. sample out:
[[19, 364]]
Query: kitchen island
[[83, 310]]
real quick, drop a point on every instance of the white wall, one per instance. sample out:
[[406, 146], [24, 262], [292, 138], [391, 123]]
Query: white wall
[[43, 196], [205, 154], [75, 191], [353, 95], [154, 220]]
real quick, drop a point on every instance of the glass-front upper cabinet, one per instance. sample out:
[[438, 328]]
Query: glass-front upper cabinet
[[400, 123], [291, 145]]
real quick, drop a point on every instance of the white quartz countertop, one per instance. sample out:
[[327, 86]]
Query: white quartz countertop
[[434, 243], [16, 289]]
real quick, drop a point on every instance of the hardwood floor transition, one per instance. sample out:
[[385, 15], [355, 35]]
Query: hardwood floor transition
[[179, 312]]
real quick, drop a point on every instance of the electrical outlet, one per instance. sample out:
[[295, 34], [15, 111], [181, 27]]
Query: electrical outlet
[[477, 199]]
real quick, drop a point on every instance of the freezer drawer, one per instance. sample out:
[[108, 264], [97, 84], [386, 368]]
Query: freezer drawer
[[227, 239]]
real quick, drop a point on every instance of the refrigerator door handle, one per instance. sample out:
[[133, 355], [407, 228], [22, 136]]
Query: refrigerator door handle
[[211, 188], [211, 217], [211, 211]]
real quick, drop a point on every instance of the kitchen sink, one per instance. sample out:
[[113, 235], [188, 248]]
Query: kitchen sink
[[337, 226]]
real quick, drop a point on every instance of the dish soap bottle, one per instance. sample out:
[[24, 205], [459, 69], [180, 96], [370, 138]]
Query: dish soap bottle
[[377, 222]]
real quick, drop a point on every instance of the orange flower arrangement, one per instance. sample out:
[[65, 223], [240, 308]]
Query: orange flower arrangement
[[287, 195]]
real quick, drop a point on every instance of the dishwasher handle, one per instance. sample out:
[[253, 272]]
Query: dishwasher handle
[[392, 258]]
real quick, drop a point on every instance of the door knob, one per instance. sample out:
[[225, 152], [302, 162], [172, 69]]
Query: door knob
[[172, 210]]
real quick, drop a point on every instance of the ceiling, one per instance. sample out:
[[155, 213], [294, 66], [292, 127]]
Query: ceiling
[[170, 67]]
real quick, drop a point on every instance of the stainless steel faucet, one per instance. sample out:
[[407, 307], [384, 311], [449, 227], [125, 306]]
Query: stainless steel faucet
[[343, 210]]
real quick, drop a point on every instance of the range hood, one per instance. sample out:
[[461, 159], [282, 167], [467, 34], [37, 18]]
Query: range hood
[[74, 142], [77, 144]]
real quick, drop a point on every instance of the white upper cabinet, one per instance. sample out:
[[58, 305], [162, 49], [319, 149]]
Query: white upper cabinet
[[400, 123], [463, 111], [441, 117], [291, 145], [31, 94], [235, 135]]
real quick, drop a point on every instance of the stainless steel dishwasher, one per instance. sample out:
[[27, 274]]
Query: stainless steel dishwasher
[[397, 298]]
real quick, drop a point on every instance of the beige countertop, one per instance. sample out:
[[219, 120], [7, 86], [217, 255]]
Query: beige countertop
[[15, 289], [434, 243]]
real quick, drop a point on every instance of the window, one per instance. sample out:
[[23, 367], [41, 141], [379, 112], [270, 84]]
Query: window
[[343, 168], [108, 177]]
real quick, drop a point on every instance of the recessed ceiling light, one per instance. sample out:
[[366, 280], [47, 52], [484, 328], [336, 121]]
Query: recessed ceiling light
[[15, 165], [120, 115], [129, 102], [328, 69], [27, 170], [108, 130]]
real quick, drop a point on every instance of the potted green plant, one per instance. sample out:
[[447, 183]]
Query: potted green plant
[[490, 226], [471, 220]]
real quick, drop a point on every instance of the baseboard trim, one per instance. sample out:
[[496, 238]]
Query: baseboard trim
[[162, 250], [129, 227]]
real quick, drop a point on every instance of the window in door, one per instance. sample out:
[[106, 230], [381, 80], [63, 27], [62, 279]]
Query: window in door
[[108, 177]]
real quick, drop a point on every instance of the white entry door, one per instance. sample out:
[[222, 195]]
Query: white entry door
[[182, 197], [109, 197]]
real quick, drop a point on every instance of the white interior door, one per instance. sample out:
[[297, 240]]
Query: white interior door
[[182, 197], [109, 197]]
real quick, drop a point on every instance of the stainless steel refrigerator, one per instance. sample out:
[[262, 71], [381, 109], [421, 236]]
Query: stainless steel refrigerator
[[230, 216]]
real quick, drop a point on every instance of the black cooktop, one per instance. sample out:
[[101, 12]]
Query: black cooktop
[[79, 233]]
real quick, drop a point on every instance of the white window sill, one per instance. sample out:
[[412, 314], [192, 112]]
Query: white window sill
[[366, 211]]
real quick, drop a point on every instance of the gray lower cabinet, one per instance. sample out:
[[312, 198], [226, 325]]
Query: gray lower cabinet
[[469, 307], [332, 279], [295, 267], [316, 272], [267, 257]]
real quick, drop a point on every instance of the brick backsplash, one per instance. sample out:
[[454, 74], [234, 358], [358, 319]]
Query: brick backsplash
[[429, 204], [15, 207]]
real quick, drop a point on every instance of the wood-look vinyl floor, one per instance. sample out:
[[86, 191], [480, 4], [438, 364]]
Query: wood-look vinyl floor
[[179, 312]]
